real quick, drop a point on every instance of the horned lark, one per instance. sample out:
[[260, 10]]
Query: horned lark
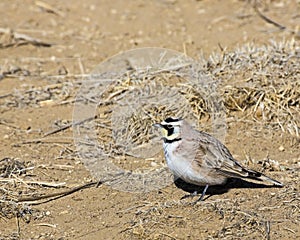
[[198, 158]]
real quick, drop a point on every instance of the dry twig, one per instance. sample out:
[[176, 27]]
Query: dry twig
[[16, 39], [268, 20], [69, 126], [48, 8]]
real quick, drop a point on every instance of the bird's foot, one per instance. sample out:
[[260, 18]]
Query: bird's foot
[[191, 195], [202, 195], [195, 193]]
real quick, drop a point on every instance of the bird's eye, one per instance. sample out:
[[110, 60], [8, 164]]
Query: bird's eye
[[169, 127]]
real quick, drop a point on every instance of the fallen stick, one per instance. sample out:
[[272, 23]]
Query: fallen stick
[[21, 39], [33, 200], [48, 8], [268, 20], [58, 194], [69, 126], [46, 184]]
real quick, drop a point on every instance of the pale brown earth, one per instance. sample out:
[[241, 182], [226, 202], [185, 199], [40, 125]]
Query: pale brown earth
[[84, 33]]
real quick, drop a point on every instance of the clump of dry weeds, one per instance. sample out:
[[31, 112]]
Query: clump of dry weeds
[[11, 169], [261, 82]]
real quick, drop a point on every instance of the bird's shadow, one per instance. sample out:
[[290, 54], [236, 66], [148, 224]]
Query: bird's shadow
[[219, 189]]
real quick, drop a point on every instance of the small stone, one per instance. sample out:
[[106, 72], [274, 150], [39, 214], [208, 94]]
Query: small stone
[[49, 102], [153, 164], [63, 212], [281, 148]]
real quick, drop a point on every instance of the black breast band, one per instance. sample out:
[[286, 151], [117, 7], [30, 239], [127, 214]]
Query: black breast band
[[171, 141]]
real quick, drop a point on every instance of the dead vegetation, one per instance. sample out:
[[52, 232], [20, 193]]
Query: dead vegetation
[[255, 84], [258, 85]]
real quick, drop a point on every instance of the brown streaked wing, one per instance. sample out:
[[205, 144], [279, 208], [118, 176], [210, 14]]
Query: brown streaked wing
[[218, 157]]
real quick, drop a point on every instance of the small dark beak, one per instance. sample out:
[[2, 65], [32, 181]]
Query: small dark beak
[[158, 125]]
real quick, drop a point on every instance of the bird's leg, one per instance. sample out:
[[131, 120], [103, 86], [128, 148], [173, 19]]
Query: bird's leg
[[195, 193], [203, 194]]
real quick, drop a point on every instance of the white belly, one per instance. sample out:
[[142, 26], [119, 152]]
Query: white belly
[[182, 168]]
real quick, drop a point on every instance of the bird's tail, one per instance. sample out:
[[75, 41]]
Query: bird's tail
[[261, 177]]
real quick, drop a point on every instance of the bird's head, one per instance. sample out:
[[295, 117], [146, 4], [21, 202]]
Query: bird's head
[[170, 129]]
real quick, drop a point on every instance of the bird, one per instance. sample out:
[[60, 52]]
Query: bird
[[198, 158]]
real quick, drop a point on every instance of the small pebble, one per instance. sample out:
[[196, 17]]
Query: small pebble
[[281, 148], [153, 164]]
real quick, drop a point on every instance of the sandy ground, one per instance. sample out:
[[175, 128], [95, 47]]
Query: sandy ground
[[73, 38]]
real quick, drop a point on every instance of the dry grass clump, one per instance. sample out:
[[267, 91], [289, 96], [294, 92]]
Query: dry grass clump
[[50, 95], [10, 190], [143, 107], [132, 106], [261, 82], [16, 183], [10, 167]]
